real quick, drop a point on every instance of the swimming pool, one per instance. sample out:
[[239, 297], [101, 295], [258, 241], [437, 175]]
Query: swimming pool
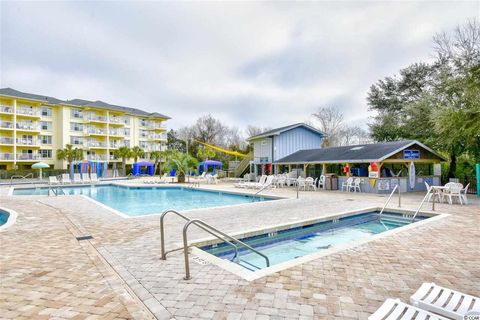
[[288, 244], [139, 201]]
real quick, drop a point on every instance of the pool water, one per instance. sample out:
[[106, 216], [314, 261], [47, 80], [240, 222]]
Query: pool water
[[139, 201], [3, 217], [300, 241]]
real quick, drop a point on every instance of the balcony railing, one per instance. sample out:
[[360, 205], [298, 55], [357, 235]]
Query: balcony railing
[[161, 136], [6, 156], [28, 126], [116, 133], [96, 144], [95, 131], [96, 157], [27, 111], [27, 142], [94, 117], [155, 125], [29, 156], [6, 124], [6, 109], [5, 140]]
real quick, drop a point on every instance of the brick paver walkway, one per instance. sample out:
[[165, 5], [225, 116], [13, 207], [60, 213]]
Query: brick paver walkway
[[350, 284]]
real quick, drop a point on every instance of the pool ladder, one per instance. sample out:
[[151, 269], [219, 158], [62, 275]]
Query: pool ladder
[[397, 187], [207, 228], [56, 190]]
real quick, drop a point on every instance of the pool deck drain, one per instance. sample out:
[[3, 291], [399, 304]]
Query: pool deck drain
[[348, 285]]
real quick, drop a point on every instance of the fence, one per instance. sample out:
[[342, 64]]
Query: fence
[[7, 174]]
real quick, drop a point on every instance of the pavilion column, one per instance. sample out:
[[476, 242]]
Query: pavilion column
[[305, 166], [289, 168], [349, 174], [324, 169], [380, 164]]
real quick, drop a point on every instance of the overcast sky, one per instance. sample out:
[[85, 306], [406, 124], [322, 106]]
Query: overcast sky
[[265, 64]]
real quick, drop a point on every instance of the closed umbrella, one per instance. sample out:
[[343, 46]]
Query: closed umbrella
[[40, 166]]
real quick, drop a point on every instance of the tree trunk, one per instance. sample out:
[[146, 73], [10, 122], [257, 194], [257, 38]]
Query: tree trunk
[[181, 178], [453, 166], [124, 166]]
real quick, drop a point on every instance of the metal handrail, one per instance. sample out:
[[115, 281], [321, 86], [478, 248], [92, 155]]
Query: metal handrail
[[20, 177], [199, 223], [390, 197], [162, 234], [423, 201], [263, 188]]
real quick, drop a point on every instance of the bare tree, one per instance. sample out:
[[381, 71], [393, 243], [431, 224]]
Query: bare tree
[[210, 130], [254, 130], [330, 122], [351, 135]]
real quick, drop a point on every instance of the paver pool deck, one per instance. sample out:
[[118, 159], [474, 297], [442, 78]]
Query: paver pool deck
[[45, 272]]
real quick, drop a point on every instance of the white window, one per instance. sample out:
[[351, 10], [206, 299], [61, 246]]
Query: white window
[[46, 125], [46, 139], [127, 132], [76, 113], [45, 154], [75, 126], [46, 112], [126, 143], [76, 140]]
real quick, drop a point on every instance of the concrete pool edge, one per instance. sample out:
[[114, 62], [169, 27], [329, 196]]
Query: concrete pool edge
[[12, 218], [254, 275]]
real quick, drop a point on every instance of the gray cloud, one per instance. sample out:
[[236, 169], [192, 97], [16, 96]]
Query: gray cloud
[[265, 64]]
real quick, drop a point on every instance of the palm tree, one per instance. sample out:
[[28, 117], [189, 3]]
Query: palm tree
[[69, 154], [157, 157], [123, 153], [182, 162], [137, 152]]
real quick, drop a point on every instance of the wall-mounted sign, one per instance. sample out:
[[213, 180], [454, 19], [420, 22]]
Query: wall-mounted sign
[[373, 174], [411, 154], [383, 185], [264, 160]]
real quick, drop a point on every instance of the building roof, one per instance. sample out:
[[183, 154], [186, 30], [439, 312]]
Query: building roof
[[79, 102], [277, 131], [374, 152], [14, 93]]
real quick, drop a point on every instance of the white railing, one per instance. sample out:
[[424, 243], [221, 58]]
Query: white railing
[[94, 117], [6, 156], [27, 142], [96, 144], [27, 111], [6, 109], [4, 140], [6, 124], [95, 131], [96, 157], [116, 133], [28, 126], [29, 156]]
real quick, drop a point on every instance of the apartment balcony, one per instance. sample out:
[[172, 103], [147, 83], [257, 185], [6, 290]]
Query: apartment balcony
[[116, 133], [96, 145], [28, 157], [94, 118], [95, 131], [28, 142], [156, 126], [116, 121], [6, 109], [28, 126], [6, 141], [97, 157], [6, 156], [158, 137], [27, 112], [6, 125]]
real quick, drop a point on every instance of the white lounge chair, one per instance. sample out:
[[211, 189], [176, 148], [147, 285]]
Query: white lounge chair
[[394, 309], [347, 185], [66, 178], [53, 180], [448, 303], [85, 178], [262, 180], [77, 178], [94, 178], [267, 184], [212, 179]]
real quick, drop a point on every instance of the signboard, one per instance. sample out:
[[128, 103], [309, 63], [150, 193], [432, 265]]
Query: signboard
[[411, 154], [264, 160], [383, 185], [373, 174]]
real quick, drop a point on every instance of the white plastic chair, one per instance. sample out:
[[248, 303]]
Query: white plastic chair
[[463, 192], [356, 185], [310, 183], [321, 182], [77, 178], [447, 302], [347, 184], [452, 191], [66, 178], [394, 309], [53, 180], [301, 183]]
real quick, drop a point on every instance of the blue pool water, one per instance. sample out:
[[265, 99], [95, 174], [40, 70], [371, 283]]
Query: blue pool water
[[3, 217], [138, 201], [300, 241]]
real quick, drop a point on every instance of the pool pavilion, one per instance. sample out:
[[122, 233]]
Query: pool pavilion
[[380, 166]]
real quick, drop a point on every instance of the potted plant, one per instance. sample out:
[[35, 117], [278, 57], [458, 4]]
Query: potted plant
[[182, 163]]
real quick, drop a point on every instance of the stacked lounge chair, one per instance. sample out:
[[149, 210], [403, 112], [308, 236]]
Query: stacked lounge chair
[[430, 302]]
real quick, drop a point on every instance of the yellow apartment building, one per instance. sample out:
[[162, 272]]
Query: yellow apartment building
[[33, 127]]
